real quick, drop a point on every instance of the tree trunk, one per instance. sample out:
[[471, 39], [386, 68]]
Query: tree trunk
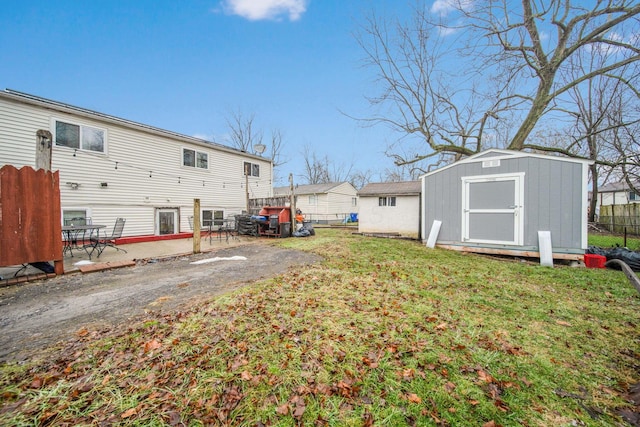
[[538, 106]]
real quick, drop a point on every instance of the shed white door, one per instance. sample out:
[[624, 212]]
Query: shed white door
[[492, 209]]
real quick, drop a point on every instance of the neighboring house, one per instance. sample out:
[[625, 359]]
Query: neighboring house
[[618, 193], [390, 208], [323, 203], [496, 202], [111, 167]]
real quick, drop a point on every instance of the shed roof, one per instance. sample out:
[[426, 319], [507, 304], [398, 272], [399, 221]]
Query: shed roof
[[307, 189], [403, 188], [497, 154]]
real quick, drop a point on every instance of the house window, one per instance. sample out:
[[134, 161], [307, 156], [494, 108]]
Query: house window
[[387, 201], [195, 159], [633, 196], [80, 137], [251, 169], [211, 216], [354, 201], [76, 216], [313, 199]]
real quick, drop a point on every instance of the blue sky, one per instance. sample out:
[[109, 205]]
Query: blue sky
[[185, 66]]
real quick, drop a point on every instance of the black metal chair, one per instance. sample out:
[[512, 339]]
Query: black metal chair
[[100, 243]]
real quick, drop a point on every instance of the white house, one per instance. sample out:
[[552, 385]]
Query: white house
[[323, 203], [617, 193], [390, 207], [111, 167]]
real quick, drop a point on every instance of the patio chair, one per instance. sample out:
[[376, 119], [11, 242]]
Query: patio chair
[[229, 228], [101, 243]]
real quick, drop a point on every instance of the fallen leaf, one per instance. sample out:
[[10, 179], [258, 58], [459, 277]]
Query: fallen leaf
[[128, 413], [37, 382], [367, 420], [154, 344], [413, 398], [449, 387], [83, 332], [246, 375], [282, 409], [408, 374], [483, 376], [299, 411], [300, 406], [562, 323]]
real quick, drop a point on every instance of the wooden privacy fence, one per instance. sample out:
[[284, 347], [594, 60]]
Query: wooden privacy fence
[[30, 229], [256, 204], [617, 218]]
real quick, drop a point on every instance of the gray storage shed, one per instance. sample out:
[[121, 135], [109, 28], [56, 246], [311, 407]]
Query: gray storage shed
[[497, 201]]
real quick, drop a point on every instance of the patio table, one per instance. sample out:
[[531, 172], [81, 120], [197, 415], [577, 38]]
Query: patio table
[[72, 237]]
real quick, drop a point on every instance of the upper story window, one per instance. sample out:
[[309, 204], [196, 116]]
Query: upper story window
[[387, 201], [251, 169], [313, 199], [633, 196], [354, 201], [80, 137], [195, 159]]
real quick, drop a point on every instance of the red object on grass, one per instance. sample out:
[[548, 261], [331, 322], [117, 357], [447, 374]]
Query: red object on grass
[[594, 261]]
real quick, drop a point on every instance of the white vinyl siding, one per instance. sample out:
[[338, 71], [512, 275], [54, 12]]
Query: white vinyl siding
[[141, 169], [330, 206]]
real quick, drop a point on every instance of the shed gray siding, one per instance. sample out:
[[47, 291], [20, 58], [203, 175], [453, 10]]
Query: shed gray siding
[[553, 199]]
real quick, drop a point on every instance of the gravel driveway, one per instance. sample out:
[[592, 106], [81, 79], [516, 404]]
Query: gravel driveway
[[36, 315]]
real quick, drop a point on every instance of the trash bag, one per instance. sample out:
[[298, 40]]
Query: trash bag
[[631, 258], [43, 266], [303, 232], [306, 225]]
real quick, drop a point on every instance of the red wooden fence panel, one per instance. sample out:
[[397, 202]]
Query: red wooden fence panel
[[30, 229]]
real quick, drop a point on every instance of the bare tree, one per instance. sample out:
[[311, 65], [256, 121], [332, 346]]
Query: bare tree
[[320, 170], [511, 61], [417, 96], [245, 136], [242, 133], [627, 145], [275, 150], [361, 178], [600, 107]]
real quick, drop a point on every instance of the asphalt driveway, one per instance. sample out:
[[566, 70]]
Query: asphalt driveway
[[36, 315]]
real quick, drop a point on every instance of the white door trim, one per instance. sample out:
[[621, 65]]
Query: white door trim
[[517, 208], [176, 213]]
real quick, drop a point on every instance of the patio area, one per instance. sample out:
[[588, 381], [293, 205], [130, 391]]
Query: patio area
[[112, 258]]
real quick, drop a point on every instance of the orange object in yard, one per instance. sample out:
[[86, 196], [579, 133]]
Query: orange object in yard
[[594, 261], [283, 212]]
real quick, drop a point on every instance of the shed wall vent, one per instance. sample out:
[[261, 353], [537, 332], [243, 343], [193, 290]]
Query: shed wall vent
[[490, 163]]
